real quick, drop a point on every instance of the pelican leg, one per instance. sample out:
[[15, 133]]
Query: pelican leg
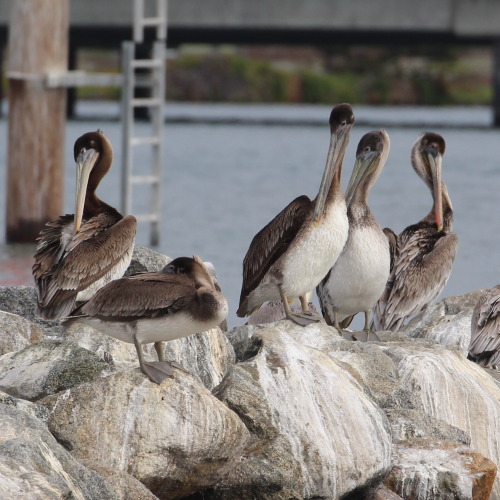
[[371, 335], [157, 372], [160, 351], [303, 319], [345, 334], [367, 333], [304, 304]]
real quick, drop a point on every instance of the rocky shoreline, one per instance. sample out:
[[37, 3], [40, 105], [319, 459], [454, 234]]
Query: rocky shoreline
[[272, 411]]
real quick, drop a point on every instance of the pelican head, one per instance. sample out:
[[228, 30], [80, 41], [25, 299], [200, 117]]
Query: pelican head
[[193, 267], [371, 155], [427, 158], [341, 122], [91, 150]]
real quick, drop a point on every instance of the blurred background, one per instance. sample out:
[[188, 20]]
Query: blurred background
[[248, 88]]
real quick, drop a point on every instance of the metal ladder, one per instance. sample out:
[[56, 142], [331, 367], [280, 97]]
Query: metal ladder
[[154, 79]]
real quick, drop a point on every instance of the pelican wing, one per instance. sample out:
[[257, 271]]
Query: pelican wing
[[484, 345], [393, 245], [140, 295], [271, 242], [420, 273], [68, 262]]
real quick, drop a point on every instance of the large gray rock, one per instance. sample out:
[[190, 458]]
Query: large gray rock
[[33, 465], [176, 438], [316, 433], [17, 332], [446, 322], [21, 300], [146, 260], [454, 390], [439, 470], [47, 367], [445, 395]]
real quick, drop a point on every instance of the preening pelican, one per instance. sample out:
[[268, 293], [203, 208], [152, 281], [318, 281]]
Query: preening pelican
[[484, 346], [425, 251], [292, 253], [78, 254], [180, 300], [358, 278]]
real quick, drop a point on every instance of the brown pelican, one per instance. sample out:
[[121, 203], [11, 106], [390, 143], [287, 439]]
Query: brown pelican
[[78, 254], [178, 301], [484, 346], [358, 278], [290, 255], [425, 251]]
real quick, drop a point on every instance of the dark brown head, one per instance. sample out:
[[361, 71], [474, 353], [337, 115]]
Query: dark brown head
[[427, 151], [341, 122], [426, 159], [371, 155], [99, 143], [341, 116], [193, 267]]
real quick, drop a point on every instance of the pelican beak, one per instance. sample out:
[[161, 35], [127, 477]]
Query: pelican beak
[[435, 162], [364, 165], [84, 165], [338, 144]]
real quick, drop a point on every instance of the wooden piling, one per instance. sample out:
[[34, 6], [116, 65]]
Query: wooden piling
[[496, 83], [38, 44]]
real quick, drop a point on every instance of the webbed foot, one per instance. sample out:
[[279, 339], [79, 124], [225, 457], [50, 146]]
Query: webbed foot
[[157, 371], [304, 318], [361, 336]]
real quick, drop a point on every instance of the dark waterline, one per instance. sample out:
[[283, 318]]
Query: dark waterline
[[224, 179]]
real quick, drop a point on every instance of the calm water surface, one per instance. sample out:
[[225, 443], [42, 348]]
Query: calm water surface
[[224, 179]]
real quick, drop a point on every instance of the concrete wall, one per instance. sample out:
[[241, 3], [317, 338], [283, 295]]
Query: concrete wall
[[477, 18]]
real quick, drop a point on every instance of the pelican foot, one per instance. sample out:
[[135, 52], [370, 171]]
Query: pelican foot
[[347, 335], [304, 318], [158, 371], [371, 336], [361, 336]]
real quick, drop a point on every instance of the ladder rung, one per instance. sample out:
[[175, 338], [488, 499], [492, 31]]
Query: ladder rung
[[146, 217], [144, 179], [140, 141], [146, 102], [147, 63], [152, 21]]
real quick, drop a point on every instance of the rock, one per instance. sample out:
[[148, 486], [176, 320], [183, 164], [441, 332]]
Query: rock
[[452, 397], [439, 470], [127, 487], [17, 332], [407, 424], [206, 355], [447, 322], [365, 361], [33, 465], [47, 367], [146, 260], [382, 493], [21, 300], [453, 390], [176, 438], [35, 410], [315, 432]]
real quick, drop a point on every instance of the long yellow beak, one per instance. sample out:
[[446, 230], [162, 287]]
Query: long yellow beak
[[435, 163], [84, 165], [338, 145]]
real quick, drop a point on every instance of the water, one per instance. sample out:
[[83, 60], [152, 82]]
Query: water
[[225, 178]]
